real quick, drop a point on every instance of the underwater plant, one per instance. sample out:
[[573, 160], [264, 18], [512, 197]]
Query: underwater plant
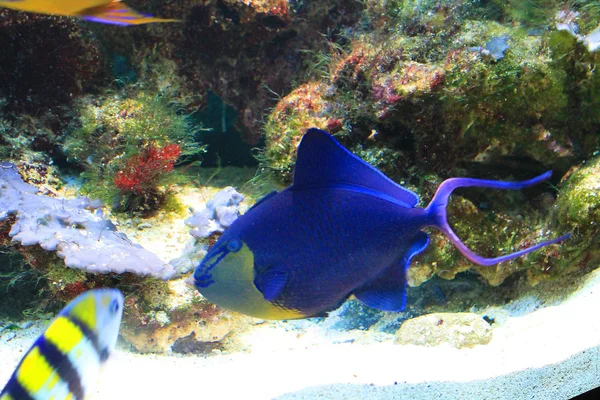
[[129, 143], [143, 173]]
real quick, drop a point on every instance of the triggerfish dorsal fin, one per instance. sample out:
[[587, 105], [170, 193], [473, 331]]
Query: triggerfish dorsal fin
[[117, 13], [437, 210], [387, 291], [322, 161]]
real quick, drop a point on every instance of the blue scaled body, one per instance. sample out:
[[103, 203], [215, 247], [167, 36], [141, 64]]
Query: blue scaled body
[[343, 228]]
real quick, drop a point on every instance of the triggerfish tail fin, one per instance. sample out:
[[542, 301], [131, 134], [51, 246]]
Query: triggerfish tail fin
[[437, 208], [117, 13]]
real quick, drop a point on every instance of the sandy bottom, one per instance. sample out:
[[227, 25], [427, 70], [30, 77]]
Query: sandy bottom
[[551, 353]]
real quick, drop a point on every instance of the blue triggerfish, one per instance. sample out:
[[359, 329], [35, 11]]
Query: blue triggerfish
[[64, 362], [106, 11], [342, 228]]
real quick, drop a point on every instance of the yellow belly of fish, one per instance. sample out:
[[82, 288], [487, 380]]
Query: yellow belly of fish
[[234, 289]]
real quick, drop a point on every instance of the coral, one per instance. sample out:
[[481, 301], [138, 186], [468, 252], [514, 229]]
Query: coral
[[74, 228], [445, 99], [578, 211], [488, 234], [217, 215], [34, 142], [582, 85], [579, 200]]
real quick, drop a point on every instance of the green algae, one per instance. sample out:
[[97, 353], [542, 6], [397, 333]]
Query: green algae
[[578, 211], [19, 285]]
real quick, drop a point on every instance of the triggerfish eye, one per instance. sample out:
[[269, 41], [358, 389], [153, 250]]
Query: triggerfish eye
[[234, 245]]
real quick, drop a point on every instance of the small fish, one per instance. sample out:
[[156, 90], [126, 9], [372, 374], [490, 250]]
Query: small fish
[[105, 11], [64, 362], [343, 228], [496, 47]]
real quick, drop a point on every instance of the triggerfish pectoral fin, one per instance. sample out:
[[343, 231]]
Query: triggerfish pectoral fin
[[387, 291], [438, 209], [271, 282], [117, 13]]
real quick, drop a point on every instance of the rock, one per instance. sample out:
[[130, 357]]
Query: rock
[[160, 313], [457, 329]]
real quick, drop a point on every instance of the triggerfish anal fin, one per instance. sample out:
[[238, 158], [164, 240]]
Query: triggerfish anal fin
[[387, 291], [117, 13], [321, 161]]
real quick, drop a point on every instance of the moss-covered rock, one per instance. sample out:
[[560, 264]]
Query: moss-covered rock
[[158, 314], [488, 233], [578, 211], [304, 108], [47, 61], [423, 94], [456, 103]]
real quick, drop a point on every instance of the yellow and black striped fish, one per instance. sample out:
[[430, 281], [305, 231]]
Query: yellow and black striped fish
[[64, 362]]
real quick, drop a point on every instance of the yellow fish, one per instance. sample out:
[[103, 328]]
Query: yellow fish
[[105, 11], [64, 362]]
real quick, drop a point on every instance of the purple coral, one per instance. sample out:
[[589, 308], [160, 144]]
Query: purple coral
[[74, 228], [218, 214]]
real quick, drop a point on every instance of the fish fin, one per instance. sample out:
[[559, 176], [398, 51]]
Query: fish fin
[[117, 13], [437, 208], [322, 161], [262, 199], [387, 291], [270, 282]]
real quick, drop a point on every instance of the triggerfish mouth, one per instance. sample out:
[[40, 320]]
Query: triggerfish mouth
[[64, 362], [105, 11], [342, 228]]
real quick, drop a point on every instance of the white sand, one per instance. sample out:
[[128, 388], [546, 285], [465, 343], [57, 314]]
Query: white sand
[[552, 353]]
